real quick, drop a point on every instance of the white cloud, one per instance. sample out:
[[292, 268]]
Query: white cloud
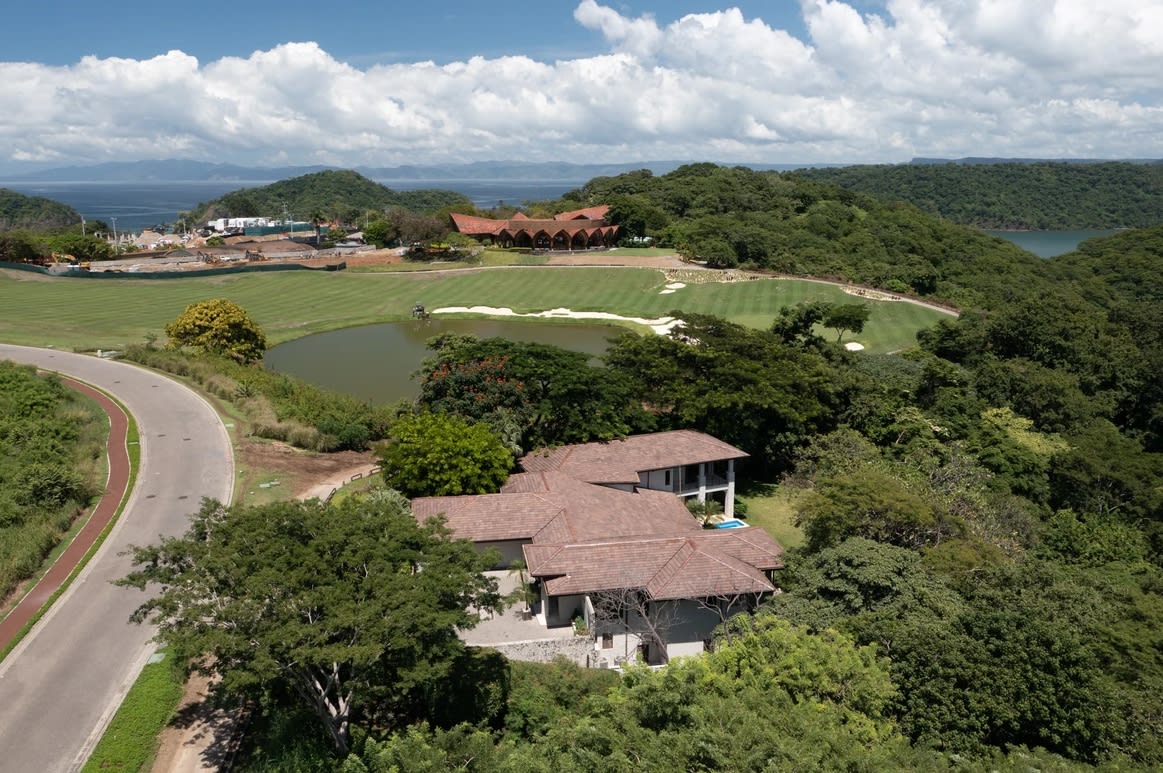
[[922, 77]]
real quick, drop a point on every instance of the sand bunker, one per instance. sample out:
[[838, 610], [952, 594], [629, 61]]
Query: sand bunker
[[670, 288], [852, 346], [662, 325]]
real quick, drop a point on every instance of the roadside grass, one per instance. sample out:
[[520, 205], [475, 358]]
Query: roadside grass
[[131, 740], [773, 508], [258, 486], [110, 313]]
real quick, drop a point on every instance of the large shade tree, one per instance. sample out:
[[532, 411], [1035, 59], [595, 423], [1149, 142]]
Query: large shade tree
[[349, 610], [219, 326]]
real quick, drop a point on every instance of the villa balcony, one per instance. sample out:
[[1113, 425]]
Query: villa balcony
[[712, 483]]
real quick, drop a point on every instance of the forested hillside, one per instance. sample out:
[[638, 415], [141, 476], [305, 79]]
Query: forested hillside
[[33, 213], [1024, 196], [739, 217], [342, 196]]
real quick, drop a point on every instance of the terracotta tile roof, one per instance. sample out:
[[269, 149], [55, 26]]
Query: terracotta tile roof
[[620, 461], [598, 212], [695, 565], [483, 226], [551, 507], [489, 517]]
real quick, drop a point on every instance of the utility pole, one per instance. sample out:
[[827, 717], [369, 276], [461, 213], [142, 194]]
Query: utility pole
[[115, 240]]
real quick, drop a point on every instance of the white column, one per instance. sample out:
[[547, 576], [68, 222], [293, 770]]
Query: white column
[[729, 501], [703, 482]]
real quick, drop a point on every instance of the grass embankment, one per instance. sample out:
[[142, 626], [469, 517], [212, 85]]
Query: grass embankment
[[99, 313], [131, 740], [773, 509]]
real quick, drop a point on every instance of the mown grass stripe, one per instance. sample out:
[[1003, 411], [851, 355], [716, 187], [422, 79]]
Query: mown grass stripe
[[89, 313]]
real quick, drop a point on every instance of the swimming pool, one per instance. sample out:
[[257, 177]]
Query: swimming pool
[[733, 523]]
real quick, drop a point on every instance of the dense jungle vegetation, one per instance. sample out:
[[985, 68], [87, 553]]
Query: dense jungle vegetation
[[336, 195], [35, 213], [50, 451], [1041, 195], [737, 217]]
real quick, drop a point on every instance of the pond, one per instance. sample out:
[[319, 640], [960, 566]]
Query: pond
[[376, 362]]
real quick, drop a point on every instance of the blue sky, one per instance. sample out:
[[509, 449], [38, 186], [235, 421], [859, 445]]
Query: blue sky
[[62, 31], [784, 81]]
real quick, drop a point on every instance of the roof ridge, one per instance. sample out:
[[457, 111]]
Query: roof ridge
[[730, 563], [667, 562]]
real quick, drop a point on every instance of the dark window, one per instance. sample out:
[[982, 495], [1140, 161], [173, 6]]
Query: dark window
[[607, 641]]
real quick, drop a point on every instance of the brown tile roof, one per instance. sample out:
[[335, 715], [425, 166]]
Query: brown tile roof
[[695, 565], [551, 507], [598, 212], [489, 517], [483, 226], [620, 461]]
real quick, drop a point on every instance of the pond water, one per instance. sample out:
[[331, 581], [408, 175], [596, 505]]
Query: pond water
[[376, 362], [1049, 244]]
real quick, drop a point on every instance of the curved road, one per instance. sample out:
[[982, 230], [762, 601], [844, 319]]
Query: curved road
[[61, 685]]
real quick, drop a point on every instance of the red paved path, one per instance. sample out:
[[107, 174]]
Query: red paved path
[[115, 487]]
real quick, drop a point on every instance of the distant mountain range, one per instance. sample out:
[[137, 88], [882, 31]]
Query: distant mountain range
[[177, 170], [193, 171]]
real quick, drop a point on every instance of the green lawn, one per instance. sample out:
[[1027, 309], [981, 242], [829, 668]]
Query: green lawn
[[773, 508], [109, 313]]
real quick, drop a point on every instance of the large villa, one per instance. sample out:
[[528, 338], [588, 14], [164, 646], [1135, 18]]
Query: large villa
[[606, 539], [580, 229]]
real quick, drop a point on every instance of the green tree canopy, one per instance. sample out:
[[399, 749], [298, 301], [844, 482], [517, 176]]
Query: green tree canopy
[[532, 395], [847, 317], [218, 326], [346, 610], [440, 454]]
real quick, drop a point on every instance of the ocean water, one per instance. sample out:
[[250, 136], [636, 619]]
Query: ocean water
[[1049, 244], [137, 205]]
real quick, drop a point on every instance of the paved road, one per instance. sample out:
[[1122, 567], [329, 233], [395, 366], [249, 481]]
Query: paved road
[[61, 685]]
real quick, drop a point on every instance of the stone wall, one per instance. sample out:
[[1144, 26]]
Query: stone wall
[[579, 649]]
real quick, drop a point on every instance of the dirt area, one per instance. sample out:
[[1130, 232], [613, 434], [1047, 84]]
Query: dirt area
[[307, 474], [376, 258], [199, 738]]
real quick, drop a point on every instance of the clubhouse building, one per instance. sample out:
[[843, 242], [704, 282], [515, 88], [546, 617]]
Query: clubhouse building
[[581, 229]]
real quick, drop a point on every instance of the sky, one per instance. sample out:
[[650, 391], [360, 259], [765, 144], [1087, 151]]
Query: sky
[[781, 81]]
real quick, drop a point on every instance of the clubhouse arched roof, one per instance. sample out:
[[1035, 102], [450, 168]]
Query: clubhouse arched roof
[[580, 227]]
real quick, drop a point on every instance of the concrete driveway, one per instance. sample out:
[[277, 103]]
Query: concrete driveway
[[62, 684]]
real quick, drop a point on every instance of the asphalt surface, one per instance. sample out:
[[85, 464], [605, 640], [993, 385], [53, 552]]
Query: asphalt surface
[[62, 684]]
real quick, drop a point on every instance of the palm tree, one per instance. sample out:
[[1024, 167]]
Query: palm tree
[[317, 220]]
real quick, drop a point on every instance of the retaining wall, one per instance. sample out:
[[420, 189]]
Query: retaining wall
[[579, 649], [251, 268]]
